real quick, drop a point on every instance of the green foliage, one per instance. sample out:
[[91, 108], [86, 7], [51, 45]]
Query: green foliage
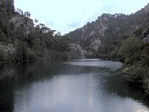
[[136, 73], [135, 54], [22, 52], [5, 58], [113, 54], [27, 14], [63, 44], [130, 49], [41, 42], [31, 55], [145, 55], [145, 60]]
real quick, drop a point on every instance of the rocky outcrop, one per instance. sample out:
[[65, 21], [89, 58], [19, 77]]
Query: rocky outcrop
[[20, 22], [76, 51]]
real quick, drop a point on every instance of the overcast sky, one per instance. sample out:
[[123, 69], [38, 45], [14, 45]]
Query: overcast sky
[[67, 15]]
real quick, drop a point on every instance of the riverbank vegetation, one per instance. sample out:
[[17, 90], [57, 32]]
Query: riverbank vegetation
[[135, 55]]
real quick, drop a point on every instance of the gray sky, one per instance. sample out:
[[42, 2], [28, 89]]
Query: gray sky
[[67, 15]]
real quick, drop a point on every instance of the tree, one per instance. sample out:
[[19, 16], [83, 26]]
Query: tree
[[36, 22], [22, 52], [27, 14], [130, 48], [19, 11], [58, 34]]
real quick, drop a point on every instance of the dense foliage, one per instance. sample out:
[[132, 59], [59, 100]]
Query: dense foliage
[[135, 54], [28, 42]]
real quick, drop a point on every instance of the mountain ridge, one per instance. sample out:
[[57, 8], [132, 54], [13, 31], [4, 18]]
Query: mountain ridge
[[118, 25]]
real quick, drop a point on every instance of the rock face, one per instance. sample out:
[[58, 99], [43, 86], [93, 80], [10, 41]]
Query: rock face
[[76, 52], [23, 23]]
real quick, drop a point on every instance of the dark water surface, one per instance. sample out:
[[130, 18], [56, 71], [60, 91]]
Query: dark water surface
[[88, 85]]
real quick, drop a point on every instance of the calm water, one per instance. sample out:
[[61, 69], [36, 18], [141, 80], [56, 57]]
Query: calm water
[[74, 86]]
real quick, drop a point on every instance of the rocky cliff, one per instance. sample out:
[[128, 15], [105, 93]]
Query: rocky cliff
[[24, 23]]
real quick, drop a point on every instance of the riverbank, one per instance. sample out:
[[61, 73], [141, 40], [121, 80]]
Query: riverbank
[[134, 53]]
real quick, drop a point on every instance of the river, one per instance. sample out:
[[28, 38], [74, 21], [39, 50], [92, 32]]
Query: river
[[83, 85]]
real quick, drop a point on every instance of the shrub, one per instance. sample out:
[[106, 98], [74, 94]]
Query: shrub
[[129, 47], [136, 73]]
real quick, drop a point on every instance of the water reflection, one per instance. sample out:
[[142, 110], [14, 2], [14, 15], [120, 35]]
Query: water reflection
[[96, 63], [61, 87]]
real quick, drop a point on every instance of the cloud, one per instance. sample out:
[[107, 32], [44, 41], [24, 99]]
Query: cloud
[[74, 25]]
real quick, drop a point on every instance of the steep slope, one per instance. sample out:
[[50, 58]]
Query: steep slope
[[103, 35]]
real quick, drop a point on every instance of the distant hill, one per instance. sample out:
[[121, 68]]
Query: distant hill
[[101, 36]]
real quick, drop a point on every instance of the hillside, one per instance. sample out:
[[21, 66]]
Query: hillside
[[108, 31], [25, 40], [119, 37]]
